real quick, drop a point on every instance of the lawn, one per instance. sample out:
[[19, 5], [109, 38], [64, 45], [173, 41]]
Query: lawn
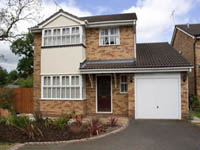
[[5, 146]]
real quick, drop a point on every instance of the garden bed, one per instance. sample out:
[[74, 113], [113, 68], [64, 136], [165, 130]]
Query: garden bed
[[21, 129]]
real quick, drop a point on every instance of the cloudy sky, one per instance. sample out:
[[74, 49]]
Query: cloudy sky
[[155, 20]]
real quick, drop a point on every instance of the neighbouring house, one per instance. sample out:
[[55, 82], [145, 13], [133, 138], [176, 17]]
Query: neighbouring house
[[186, 40], [93, 66]]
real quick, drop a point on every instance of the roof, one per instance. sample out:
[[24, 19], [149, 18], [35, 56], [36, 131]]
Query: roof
[[113, 17], [192, 29], [149, 55]]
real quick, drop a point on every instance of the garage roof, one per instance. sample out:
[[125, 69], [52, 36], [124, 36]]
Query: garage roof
[[149, 55]]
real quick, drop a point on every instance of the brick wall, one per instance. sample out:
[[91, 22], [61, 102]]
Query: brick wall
[[122, 104], [197, 48], [184, 96], [123, 51], [184, 43], [36, 75]]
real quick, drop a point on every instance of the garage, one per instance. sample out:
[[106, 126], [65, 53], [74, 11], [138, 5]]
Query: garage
[[158, 96]]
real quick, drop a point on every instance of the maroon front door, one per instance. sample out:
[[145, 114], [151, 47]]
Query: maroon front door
[[103, 94]]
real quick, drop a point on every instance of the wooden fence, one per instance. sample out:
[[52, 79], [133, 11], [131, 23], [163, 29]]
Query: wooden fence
[[23, 101]]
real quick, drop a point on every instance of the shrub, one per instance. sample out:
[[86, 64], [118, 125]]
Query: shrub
[[112, 122], [20, 122], [194, 102], [7, 96], [26, 83], [95, 127], [61, 122]]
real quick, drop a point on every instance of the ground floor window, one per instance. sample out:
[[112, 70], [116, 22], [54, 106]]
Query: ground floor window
[[69, 87], [123, 84]]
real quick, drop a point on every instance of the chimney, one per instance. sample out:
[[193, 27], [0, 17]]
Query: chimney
[[188, 25]]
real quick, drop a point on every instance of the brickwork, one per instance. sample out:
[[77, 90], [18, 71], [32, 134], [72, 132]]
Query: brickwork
[[57, 108], [122, 103], [197, 47], [123, 51], [184, 43], [37, 67], [184, 95]]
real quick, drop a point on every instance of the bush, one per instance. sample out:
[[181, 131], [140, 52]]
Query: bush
[[61, 122], [7, 96], [20, 122], [26, 83], [112, 122], [95, 127], [194, 102]]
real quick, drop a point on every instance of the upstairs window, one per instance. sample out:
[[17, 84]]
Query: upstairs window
[[62, 36], [109, 37]]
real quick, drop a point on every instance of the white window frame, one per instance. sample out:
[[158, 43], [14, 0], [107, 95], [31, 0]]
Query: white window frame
[[123, 92], [82, 95], [81, 35], [109, 36]]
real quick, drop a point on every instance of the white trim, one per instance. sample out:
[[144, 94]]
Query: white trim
[[186, 33], [123, 83], [160, 76], [97, 96], [117, 21], [61, 14], [136, 70]]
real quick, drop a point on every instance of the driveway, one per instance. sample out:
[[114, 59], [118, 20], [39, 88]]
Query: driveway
[[140, 135]]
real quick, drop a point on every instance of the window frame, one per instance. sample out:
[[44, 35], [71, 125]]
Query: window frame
[[70, 86], [62, 43], [126, 83], [109, 36]]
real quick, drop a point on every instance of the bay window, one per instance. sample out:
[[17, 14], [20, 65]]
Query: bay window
[[109, 36], [64, 87], [63, 36]]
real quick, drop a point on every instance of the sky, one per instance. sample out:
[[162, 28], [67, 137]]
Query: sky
[[156, 18]]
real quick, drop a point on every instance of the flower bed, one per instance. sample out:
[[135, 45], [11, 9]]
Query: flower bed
[[21, 129]]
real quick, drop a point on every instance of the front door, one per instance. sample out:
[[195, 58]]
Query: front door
[[103, 94]]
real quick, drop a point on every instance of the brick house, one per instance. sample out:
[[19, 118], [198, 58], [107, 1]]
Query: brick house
[[186, 39], [93, 66]]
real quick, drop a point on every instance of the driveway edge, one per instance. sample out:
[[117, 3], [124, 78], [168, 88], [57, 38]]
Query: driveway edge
[[19, 145]]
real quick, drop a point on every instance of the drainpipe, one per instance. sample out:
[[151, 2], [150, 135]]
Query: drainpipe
[[195, 70]]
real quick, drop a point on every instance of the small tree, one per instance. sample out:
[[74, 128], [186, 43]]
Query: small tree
[[12, 76], [3, 77], [7, 96]]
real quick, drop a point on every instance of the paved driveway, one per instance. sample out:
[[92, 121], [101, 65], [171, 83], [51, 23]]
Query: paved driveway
[[140, 135]]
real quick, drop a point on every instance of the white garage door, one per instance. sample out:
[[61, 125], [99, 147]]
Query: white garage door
[[157, 96]]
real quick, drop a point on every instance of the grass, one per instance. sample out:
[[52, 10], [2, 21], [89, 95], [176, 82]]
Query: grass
[[195, 113], [5, 146]]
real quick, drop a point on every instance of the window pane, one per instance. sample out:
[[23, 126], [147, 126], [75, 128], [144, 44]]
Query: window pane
[[78, 92], [77, 39], [63, 93], [45, 80], [54, 93], [106, 31], [73, 92], [49, 92], [113, 40], [67, 92], [73, 80], [73, 39], [77, 80], [113, 32], [73, 30], [44, 92], [58, 93], [64, 80], [49, 80]]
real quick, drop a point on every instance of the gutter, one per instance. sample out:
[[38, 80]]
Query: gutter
[[137, 70]]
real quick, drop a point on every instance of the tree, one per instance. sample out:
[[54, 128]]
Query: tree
[[26, 83], [3, 76], [23, 47], [12, 76], [13, 12]]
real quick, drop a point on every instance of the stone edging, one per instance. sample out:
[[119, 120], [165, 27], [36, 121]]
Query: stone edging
[[17, 146]]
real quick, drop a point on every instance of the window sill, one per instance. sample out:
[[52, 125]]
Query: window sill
[[69, 45], [109, 45], [54, 99], [123, 92]]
